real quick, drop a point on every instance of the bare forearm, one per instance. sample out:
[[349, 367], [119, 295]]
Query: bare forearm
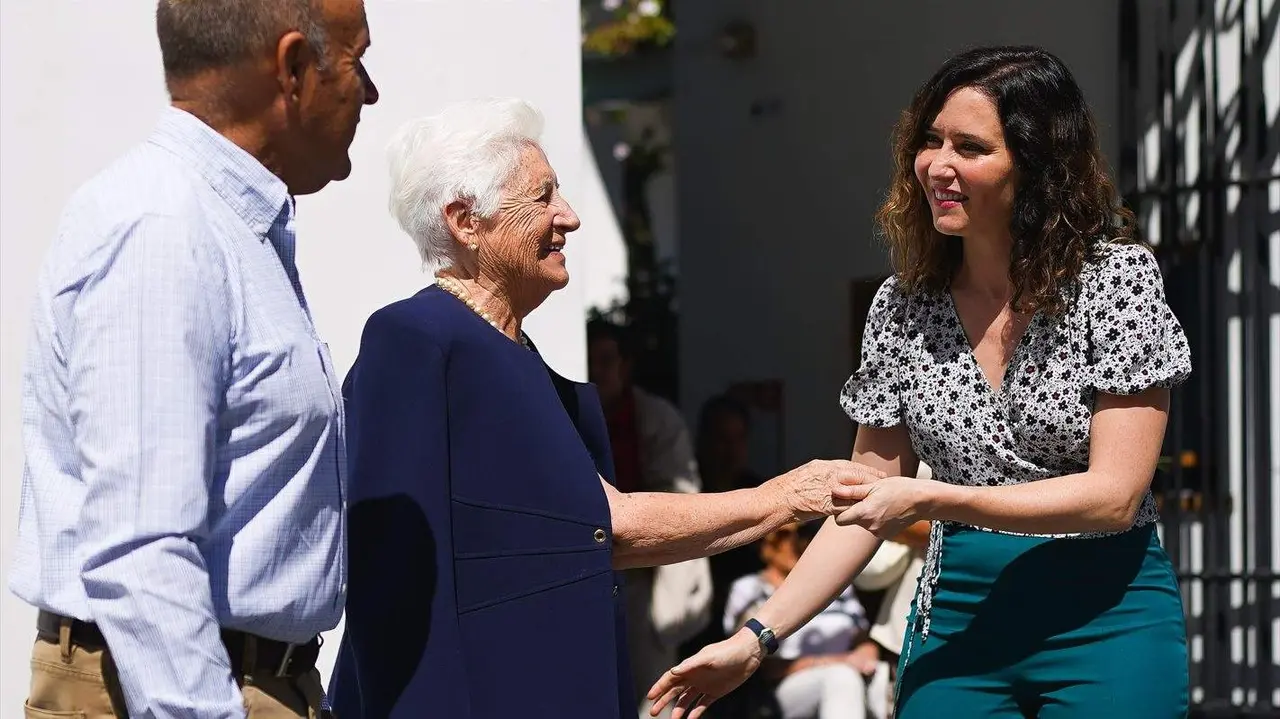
[[1124, 444], [828, 565], [652, 528], [1084, 502]]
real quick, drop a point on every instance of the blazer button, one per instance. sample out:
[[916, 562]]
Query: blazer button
[[615, 590], [600, 535]]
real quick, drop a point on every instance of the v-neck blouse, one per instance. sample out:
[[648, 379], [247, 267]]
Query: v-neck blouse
[[1117, 336]]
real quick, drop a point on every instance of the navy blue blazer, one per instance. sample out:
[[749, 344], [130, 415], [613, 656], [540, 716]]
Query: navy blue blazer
[[481, 581]]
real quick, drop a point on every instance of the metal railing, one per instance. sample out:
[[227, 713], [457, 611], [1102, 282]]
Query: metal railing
[[1199, 166]]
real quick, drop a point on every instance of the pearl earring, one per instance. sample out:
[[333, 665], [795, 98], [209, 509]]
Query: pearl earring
[[474, 247]]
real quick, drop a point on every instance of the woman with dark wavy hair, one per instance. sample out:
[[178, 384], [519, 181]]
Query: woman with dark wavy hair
[[1024, 350]]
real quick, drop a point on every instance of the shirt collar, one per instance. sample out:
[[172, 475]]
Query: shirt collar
[[252, 191]]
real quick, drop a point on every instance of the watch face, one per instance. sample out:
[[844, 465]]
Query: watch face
[[768, 640]]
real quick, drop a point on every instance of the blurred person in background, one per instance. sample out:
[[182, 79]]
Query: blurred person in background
[[828, 669], [723, 447], [652, 452]]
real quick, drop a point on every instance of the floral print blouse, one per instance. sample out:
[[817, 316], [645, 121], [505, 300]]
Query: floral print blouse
[[1118, 336]]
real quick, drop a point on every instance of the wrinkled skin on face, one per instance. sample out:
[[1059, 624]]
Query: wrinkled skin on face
[[522, 246]]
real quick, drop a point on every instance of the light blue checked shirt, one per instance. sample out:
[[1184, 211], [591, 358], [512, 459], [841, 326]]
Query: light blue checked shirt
[[182, 423]]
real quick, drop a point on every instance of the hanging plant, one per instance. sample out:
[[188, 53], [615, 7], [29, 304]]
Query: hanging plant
[[616, 28]]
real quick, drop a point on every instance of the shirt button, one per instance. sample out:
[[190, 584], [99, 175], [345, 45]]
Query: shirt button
[[600, 536]]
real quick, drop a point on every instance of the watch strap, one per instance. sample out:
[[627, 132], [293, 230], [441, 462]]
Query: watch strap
[[764, 635]]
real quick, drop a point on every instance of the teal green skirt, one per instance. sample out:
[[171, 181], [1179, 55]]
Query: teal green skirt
[[1048, 628]]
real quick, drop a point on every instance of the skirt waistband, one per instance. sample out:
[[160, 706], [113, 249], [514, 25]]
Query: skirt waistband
[[931, 572]]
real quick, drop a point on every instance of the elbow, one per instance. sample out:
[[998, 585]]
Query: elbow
[[1120, 515], [621, 521], [626, 560], [628, 555], [622, 548], [623, 542], [634, 542]]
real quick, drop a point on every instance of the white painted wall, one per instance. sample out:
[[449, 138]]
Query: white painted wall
[[776, 210], [81, 81]]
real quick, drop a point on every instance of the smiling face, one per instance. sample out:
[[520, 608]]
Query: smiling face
[[965, 168], [525, 240]]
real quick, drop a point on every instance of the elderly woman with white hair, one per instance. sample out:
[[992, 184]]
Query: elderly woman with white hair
[[484, 533]]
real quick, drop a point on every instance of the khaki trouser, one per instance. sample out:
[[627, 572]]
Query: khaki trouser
[[74, 682]]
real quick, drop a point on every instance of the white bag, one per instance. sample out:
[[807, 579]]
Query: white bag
[[681, 605], [887, 566]]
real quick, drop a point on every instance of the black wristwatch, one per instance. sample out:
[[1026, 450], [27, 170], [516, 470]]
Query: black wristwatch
[[764, 635]]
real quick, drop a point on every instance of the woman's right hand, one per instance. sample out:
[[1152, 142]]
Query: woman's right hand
[[707, 676]]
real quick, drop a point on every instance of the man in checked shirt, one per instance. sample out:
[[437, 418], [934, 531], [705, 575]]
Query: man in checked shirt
[[182, 520]]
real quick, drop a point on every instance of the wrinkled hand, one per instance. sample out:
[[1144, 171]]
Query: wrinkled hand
[[706, 676], [810, 488], [884, 507]]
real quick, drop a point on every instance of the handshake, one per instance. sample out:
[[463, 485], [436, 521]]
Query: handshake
[[855, 494]]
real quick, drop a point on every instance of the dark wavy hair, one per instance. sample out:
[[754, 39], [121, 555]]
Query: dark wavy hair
[[1065, 205]]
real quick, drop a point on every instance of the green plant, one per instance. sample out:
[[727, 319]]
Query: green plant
[[650, 310], [615, 28]]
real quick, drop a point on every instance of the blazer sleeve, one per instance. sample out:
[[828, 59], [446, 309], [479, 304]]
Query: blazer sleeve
[[402, 645]]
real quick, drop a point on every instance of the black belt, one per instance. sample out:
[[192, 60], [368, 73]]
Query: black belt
[[280, 658]]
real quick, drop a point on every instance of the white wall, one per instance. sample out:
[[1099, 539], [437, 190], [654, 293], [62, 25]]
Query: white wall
[[776, 210], [80, 81]]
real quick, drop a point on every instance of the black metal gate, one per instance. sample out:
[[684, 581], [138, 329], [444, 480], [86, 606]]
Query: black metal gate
[[1200, 141]]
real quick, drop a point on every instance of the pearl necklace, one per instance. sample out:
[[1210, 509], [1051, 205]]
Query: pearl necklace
[[453, 287]]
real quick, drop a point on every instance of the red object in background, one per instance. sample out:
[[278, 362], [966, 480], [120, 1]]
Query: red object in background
[[625, 441]]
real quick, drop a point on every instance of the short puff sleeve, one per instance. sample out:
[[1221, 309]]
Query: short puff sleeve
[[1134, 340], [873, 395]]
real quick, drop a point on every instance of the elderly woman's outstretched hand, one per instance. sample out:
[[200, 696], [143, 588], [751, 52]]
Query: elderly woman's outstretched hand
[[706, 676], [811, 488]]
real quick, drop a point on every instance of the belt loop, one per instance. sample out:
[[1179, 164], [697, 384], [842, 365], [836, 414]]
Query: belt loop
[[64, 638], [250, 661]]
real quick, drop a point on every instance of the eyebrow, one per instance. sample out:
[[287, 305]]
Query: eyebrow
[[962, 135]]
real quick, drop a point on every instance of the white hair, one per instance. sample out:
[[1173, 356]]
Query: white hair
[[466, 152]]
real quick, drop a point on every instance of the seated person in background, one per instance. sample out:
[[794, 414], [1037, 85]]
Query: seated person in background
[[722, 449], [827, 669], [724, 428]]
